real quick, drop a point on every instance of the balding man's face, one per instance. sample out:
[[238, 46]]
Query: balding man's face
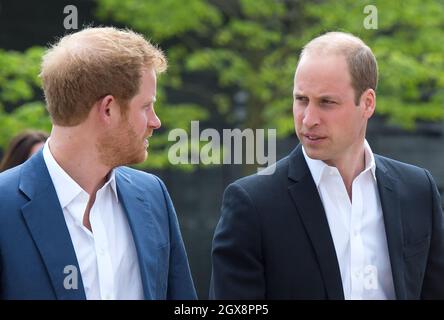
[[328, 123]]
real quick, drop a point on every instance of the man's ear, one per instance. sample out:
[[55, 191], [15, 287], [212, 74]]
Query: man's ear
[[368, 102], [106, 107]]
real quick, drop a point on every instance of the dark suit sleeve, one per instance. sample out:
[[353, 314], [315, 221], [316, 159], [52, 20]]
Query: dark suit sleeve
[[180, 282], [433, 284], [237, 265]]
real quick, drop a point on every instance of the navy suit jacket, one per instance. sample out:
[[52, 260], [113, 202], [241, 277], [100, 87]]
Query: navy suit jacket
[[273, 240], [35, 245]]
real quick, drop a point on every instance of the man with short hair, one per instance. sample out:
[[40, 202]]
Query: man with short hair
[[75, 223], [334, 221]]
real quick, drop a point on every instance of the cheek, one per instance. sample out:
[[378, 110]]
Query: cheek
[[345, 123], [141, 122], [298, 115], [295, 112]]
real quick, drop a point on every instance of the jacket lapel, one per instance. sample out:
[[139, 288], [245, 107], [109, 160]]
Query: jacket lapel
[[390, 204], [44, 219], [140, 220], [309, 206]]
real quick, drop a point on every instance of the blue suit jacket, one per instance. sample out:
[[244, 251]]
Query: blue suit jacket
[[35, 245]]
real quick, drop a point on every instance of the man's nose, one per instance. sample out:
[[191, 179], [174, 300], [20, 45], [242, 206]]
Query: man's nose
[[154, 121], [311, 116]]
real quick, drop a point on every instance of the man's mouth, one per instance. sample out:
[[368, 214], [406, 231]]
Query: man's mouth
[[147, 140], [313, 137]]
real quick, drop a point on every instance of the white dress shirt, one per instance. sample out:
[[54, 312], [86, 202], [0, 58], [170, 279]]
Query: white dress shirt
[[107, 256], [357, 229]]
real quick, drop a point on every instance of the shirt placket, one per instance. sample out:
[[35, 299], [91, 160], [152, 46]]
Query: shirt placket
[[357, 257], [104, 264]]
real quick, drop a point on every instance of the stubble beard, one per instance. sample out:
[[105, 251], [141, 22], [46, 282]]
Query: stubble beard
[[121, 147]]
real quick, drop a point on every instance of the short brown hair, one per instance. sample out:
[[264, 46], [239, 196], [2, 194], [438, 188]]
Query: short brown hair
[[360, 59], [85, 66]]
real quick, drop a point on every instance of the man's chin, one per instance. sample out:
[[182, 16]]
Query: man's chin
[[136, 159], [141, 158], [313, 153], [145, 156]]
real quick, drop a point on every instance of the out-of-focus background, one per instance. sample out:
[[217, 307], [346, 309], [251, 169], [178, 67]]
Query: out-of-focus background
[[231, 65]]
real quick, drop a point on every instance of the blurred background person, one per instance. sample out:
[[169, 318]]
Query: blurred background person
[[21, 147]]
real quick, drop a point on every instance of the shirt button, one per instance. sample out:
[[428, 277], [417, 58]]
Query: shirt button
[[107, 297], [101, 251], [357, 274]]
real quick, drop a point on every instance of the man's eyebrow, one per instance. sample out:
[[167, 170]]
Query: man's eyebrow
[[329, 97], [151, 101]]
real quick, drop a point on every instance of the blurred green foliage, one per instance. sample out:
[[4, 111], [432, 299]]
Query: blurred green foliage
[[232, 61], [19, 85], [409, 46], [252, 46]]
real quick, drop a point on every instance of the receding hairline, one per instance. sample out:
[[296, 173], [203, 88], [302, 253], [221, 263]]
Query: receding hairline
[[360, 60], [334, 43]]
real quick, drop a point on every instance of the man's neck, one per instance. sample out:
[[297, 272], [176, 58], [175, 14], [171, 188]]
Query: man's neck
[[79, 160], [350, 166]]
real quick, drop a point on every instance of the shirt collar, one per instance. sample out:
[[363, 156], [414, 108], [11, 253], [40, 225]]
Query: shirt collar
[[112, 183], [318, 167], [66, 188]]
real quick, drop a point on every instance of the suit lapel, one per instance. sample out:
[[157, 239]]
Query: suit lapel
[[390, 203], [44, 219], [309, 206], [141, 224]]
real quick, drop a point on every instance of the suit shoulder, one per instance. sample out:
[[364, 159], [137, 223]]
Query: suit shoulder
[[9, 181], [267, 178], [141, 178], [10, 196], [398, 167], [414, 177], [9, 176]]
